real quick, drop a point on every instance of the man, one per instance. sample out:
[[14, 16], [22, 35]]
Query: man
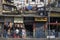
[[5, 29]]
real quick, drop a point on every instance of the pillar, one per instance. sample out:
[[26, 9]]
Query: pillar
[[34, 30]]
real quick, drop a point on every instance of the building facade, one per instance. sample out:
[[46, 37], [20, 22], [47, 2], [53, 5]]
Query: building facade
[[23, 3], [37, 22]]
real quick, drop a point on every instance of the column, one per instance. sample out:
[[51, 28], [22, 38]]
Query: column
[[34, 30]]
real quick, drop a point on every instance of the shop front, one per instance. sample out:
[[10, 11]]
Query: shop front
[[18, 21], [7, 23], [40, 27], [28, 23], [54, 26]]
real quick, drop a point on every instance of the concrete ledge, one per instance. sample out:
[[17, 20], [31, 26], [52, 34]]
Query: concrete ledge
[[29, 39]]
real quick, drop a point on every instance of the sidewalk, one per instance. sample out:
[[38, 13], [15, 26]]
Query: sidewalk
[[29, 39]]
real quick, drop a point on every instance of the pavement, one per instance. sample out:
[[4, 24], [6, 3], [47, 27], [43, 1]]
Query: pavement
[[29, 39]]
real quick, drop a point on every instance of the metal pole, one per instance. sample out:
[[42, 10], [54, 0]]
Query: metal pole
[[49, 19], [34, 30], [44, 13], [49, 11]]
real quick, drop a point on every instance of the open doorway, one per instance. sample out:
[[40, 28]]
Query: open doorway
[[29, 30]]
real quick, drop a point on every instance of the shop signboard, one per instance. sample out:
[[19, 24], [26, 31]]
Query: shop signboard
[[41, 19], [18, 20], [55, 14]]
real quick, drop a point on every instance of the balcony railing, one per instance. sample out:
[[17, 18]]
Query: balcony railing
[[9, 12], [6, 2], [30, 11]]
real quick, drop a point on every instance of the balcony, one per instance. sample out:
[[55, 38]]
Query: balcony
[[7, 2], [9, 9], [7, 12], [30, 11], [57, 9], [33, 13]]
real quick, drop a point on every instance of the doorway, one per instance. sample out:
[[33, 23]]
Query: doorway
[[29, 30]]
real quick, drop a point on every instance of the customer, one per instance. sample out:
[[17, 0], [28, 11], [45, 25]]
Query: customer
[[10, 29], [5, 30], [16, 31], [23, 31]]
